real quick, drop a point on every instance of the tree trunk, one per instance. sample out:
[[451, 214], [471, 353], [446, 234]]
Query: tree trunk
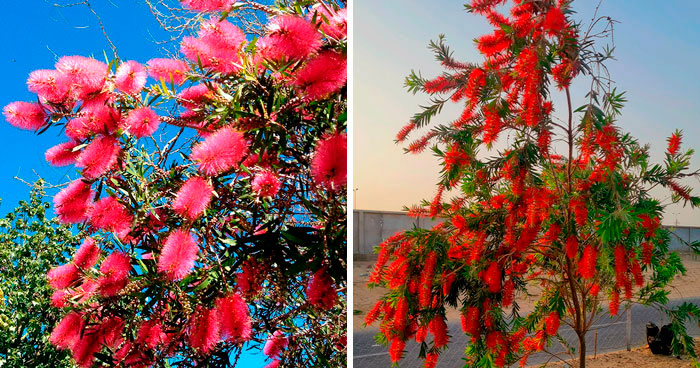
[[582, 350]]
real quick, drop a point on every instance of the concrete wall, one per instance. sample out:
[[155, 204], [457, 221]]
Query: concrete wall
[[372, 227]]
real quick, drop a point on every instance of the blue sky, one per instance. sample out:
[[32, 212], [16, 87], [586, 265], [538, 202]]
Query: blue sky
[[656, 52], [33, 32]]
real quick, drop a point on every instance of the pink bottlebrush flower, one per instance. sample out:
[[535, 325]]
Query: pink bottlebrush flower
[[266, 184], [203, 330], [99, 157], [193, 198], [25, 115], [167, 69], [95, 117], [151, 333], [86, 346], [192, 97], [111, 332], [110, 215], [178, 255], [209, 5], [49, 85], [87, 75], [216, 46], [333, 23], [290, 37], [275, 363], [221, 151], [142, 122], [131, 77], [71, 203], [87, 254], [64, 276], [59, 298], [274, 344], [115, 273], [324, 74], [320, 291], [329, 165], [67, 331], [62, 154], [234, 318], [85, 291], [250, 278]]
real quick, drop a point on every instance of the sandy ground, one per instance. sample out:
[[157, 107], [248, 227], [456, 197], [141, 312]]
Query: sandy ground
[[638, 358], [365, 298]]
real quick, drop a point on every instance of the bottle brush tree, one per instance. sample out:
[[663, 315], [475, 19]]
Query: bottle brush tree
[[559, 204], [212, 188]]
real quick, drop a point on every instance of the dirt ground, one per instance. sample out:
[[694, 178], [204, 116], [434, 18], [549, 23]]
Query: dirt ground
[[364, 298], [637, 358]]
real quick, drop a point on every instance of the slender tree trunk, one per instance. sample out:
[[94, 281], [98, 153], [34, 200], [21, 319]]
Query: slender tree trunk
[[582, 350]]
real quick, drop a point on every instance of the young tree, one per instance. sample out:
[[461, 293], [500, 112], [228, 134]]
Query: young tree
[[575, 218], [214, 198], [30, 244]]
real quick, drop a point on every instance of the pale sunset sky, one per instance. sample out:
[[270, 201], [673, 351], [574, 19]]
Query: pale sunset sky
[[656, 53]]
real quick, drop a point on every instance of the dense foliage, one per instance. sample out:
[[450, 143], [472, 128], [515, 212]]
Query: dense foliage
[[30, 244], [214, 197], [564, 208]]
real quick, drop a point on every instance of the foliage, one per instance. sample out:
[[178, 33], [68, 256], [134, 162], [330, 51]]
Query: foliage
[[215, 196], [30, 244], [564, 207]]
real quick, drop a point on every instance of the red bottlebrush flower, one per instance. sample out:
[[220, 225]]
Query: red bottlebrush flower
[[178, 255], [142, 122], [614, 303], [494, 43], [115, 273], [373, 314], [320, 291], [578, 207], [62, 154], [649, 224], [679, 190], [49, 85], [552, 233], [221, 151], [87, 75], [167, 70], [405, 131], [400, 315], [25, 115], [111, 332], [620, 265], [647, 251], [492, 278], [438, 328], [562, 74], [439, 84], [426, 285], [203, 330], [544, 139], [494, 340], [208, 5], [396, 349], [447, 280], [322, 75], [455, 157], [87, 254], [431, 360], [250, 278], [484, 6], [275, 363], [275, 343], [193, 198], [492, 125], [64, 276], [98, 157], [151, 333], [551, 323], [554, 22], [586, 266], [471, 322], [421, 334], [67, 331], [508, 293], [290, 37], [329, 165], [674, 143], [595, 289], [571, 246], [131, 77], [110, 215], [71, 204], [234, 318], [59, 298], [265, 184]]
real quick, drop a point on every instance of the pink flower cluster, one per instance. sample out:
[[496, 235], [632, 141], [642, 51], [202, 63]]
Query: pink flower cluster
[[329, 165], [216, 47], [320, 291]]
